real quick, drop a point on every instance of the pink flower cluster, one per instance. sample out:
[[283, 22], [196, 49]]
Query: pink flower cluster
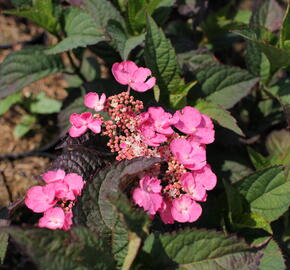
[[55, 199], [180, 139]]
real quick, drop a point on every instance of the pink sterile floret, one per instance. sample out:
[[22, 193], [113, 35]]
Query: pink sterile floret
[[67, 221], [62, 191], [185, 209], [52, 176], [53, 219], [195, 189], [192, 155], [82, 122], [205, 177], [39, 198], [93, 101], [128, 73], [193, 123], [148, 132], [148, 194], [165, 211], [75, 183], [162, 120]]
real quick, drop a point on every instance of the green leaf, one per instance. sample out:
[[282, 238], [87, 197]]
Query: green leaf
[[269, 14], [7, 102], [272, 258], [23, 67], [163, 10], [225, 85], [41, 13], [178, 99], [277, 57], [19, 3], [44, 105], [285, 30], [219, 114], [27, 123], [161, 59], [131, 227], [254, 221], [97, 208], [102, 11], [137, 11], [81, 31], [199, 250], [121, 41], [3, 245], [77, 248], [267, 192], [258, 160]]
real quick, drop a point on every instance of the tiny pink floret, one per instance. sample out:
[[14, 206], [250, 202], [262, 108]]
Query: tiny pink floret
[[128, 73], [148, 194], [93, 101], [82, 122], [185, 209], [39, 198], [53, 219]]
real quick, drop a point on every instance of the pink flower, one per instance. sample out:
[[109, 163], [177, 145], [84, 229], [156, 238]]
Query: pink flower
[[205, 177], [193, 123], [52, 176], [195, 189], [192, 155], [93, 101], [185, 209], [67, 221], [82, 122], [39, 198], [62, 191], [165, 212], [147, 130], [162, 120], [128, 73], [75, 183], [53, 219], [148, 194]]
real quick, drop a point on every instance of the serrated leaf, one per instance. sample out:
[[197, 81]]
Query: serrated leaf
[[267, 192], [23, 67], [102, 11], [81, 31], [200, 250], [161, 59], [163, 10], [258, 160], [3, 245], [78, 248], [269, 14], [26, 124], [127, 234], [272, 258], [178, 99], [225, 85], [121, 41], [95, 201], [219, 114], [137, 11], [44, 105], [41, 13], [7, 102], [278, 58]]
